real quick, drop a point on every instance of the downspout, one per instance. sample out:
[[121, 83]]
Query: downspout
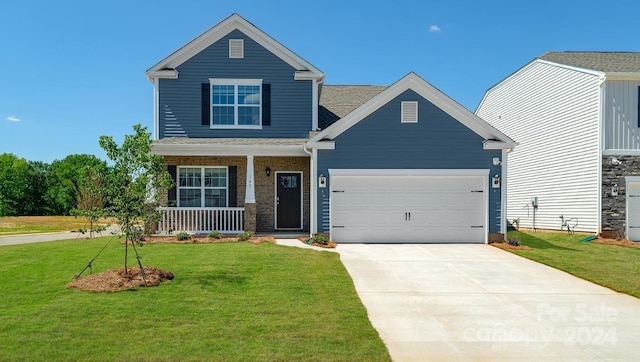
[[313, 189], [503, 196], [601, 129]]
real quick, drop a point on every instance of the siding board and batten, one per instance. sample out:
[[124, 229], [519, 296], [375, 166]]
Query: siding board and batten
[[621, 128], [552, 112]]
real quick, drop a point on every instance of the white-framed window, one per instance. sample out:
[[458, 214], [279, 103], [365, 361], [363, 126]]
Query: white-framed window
[[203, 186], [236, 48], [236, 103], [409, 112]]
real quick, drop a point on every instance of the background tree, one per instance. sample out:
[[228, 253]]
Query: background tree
[[36, 202], [14, 185], [137, 178], [65, 178]]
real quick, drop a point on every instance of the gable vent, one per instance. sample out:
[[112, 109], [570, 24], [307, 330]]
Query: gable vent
[[409, 112], [236, 48]]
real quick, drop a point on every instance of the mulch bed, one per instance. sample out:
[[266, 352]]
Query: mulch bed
[[505, 246], [204, 239], [330, 244], [116, 280], [618, 242]]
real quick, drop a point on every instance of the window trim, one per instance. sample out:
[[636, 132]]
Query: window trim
[[404, 112], [235, 83], [202, 188]]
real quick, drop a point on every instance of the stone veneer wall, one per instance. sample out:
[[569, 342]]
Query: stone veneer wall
[[614, 170], [264, 186]]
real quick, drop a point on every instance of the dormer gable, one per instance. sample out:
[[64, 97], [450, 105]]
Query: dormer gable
[[166, 68]]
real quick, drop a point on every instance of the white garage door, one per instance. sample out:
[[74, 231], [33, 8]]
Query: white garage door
[[633, 211], [408, 209]]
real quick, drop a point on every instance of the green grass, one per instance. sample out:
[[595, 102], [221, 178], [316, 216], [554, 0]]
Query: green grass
[[231, 302], [17, 225], [612, 266]]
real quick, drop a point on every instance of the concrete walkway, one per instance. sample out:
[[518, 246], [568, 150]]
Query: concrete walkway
[[39, 238], [476, 302]]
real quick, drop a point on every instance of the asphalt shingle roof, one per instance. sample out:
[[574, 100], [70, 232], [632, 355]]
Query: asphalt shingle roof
[[336, 101], [608, 62]]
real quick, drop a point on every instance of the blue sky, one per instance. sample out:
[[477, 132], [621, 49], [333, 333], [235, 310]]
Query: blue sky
[[71, 71]]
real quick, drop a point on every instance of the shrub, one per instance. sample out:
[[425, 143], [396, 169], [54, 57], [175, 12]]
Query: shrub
[[245, 236], [183, 235], [513, 242], [321, 239], [215, 235]]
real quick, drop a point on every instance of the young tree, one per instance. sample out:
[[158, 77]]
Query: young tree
[[135, 180], [90, 198]]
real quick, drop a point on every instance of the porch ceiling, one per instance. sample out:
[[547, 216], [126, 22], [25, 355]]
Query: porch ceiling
[[182, 146]]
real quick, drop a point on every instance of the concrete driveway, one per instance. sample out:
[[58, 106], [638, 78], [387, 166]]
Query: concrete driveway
[[477, 302]]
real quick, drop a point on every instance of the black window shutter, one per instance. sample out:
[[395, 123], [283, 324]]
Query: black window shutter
[[171, 194], [206, 104], [638, 106], [233, 186], [266, 104]]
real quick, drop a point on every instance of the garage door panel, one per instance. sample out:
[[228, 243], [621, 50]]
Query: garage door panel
[[408, 209]]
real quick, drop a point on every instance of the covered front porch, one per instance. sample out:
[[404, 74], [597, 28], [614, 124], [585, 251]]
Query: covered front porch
[[235, 185]]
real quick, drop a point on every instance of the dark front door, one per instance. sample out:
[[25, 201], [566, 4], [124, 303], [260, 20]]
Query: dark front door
[[288, 200]]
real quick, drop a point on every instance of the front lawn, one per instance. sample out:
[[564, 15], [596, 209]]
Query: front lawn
[[612, 266], [16, 225], [230, 301]]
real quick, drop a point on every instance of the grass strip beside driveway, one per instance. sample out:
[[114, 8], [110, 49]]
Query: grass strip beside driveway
[[234, 301], [612, 266]]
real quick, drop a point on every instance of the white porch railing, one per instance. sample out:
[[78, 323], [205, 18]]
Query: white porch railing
[[227, 220]]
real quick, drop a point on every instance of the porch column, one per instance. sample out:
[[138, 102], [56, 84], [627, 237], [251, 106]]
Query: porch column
[[250, 198], [250, 195]]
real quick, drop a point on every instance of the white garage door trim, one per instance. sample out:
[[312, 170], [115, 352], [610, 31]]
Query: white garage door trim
[[483, 173], [632, 184]]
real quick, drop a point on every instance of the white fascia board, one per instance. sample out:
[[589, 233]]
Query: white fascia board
[[623, 76], [308, 75], [497, 145], [409, 172], [423, 88], [621, 152], [223, 28], [227, 150], [321, 145], [164, 74], [571, 67]]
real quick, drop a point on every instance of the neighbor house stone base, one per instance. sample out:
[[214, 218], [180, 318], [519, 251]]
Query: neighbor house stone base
[[614, 171]]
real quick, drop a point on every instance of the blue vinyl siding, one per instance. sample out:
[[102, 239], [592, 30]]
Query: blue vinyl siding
[[180, 99], [436, 141]]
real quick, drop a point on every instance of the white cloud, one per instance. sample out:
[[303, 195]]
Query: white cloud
[[13, 118], [434, 29]]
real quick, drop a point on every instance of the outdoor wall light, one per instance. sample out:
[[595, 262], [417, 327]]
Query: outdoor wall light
[[268, 171]]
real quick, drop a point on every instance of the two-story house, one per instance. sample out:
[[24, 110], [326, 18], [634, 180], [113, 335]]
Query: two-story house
[[256, 141], [575, 118]]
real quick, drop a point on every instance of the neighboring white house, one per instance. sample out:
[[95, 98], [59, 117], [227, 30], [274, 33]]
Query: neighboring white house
[[574, 116]]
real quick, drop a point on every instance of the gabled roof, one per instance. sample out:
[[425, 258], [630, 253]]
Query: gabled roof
[[336, 101], [166, 67], [608, 62], [432, 94]]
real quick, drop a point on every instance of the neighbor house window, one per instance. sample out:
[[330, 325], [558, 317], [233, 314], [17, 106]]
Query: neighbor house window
[[202, 187], [236, 103]]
